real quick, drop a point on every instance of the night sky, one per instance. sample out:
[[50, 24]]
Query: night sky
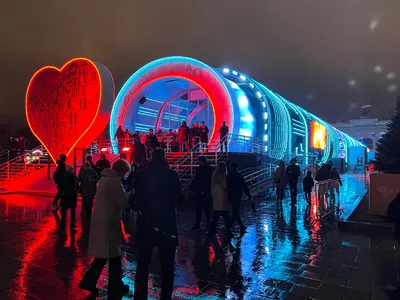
[[330, 57]]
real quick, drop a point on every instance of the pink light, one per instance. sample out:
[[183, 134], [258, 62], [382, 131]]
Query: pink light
[[126, 149], [104, 150]]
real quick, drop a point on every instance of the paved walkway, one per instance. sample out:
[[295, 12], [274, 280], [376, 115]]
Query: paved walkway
[[281, 256]]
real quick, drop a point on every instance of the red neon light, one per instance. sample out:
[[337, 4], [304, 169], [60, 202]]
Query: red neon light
[[62, 105], [204, 78], [126, 149], [217, 121], [104, 150], [318, 136]]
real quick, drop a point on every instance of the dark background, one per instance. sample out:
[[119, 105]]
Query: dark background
[[330, 57]]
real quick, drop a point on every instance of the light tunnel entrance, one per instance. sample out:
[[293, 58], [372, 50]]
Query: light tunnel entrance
[[165, 103], [170, 90]]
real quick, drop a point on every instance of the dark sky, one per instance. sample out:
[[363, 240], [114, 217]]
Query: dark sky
[[330, 57]]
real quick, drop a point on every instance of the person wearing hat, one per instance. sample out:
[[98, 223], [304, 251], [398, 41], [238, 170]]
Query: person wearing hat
[[293, 172]]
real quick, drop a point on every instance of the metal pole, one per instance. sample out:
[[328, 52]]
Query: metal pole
[[74, 160], [191, 162], [48, 168]]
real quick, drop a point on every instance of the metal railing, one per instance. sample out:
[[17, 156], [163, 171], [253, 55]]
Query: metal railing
[[4, 156], [20, 166]]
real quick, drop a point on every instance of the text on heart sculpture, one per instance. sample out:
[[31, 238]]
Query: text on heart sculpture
[[68, 108]]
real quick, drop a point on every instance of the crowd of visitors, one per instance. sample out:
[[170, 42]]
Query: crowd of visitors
[[154, 192], [289, 176], [180, 140]]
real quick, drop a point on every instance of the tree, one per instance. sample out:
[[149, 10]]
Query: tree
[[387, 158]]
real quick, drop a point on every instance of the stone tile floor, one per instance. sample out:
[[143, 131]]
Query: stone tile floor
[[281, 256]]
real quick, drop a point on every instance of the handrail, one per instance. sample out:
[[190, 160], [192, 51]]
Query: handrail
[[18, 165]]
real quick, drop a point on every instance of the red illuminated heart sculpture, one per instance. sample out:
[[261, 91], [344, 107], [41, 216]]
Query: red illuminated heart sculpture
[[63, 106]]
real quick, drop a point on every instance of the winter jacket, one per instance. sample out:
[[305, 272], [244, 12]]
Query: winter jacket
[[308, 183], [223, 131], [204, 134], [105, 231], [218, 189], [102, 164], [158, 193], [195, 131], [201, 183], [183, 133], [236, 186], [293, 172], [88, 182], [69, 187], [280, 178]]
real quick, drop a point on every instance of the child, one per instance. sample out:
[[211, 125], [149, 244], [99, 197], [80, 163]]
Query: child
[[70, 195], [308, 184]]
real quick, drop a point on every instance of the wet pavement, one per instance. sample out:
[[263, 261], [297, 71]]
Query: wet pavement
[[280, 257]]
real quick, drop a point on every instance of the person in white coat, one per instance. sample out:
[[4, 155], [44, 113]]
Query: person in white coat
[[106, 232]]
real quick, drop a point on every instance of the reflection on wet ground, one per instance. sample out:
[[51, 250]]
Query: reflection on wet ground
[[281, 256]]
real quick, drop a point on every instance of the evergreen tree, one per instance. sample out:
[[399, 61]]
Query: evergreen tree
[[387, 157]]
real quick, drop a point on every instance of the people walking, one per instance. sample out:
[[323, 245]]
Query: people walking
[[157, 194], [293, 172], [139, 153], [201, 186], [218, 193], [106, 233], [236, 185], [223, 136], [280, 181], [87, 188], [308, 183]]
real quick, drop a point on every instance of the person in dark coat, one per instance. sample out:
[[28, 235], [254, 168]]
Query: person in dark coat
[[120, 136], [223, 136], [183, 137], [236, 186], [293, 172], [88, 179], [308, 184], [89, 159], [201, 186], [139, 153], [158, 192], [151, 141], [195, 133], [204, 136], [58, 177], [102, 163], [69, 197]]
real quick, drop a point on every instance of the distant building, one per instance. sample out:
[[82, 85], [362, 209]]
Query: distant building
[[366, 130]]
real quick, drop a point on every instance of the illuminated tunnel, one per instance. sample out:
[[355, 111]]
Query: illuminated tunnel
[[170, 90]]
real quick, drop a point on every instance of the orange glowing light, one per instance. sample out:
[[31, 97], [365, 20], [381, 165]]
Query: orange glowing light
[[46, 103], [318, 136], [126, 149], [104, 150]]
